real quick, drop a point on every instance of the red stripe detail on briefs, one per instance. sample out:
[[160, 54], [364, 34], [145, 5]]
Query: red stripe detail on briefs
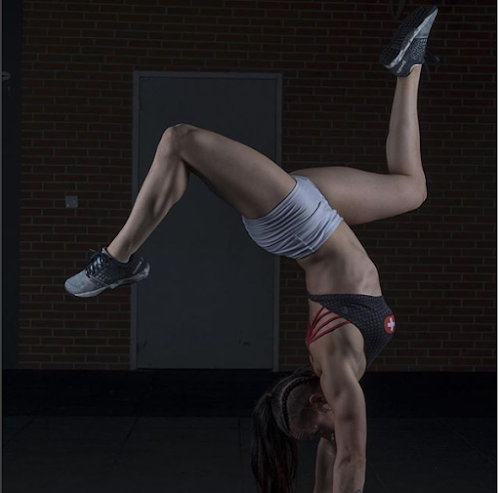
[[314, 333], [326, 323], [316, 318], [331, 329]]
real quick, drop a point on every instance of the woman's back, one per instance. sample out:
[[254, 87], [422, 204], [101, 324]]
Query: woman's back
[[341, 265]]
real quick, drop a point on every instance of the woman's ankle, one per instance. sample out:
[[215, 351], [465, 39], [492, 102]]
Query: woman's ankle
[[414, 73], [117, 254]]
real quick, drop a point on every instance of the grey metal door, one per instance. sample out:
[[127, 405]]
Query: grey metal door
[[211, 299]]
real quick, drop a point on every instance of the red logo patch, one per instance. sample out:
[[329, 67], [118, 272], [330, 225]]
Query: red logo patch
[[390, 324]]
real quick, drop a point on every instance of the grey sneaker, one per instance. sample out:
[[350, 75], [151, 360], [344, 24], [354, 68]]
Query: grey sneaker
[[104, 272], [408, 46]]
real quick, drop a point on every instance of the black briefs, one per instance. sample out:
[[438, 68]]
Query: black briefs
[[370, 314]]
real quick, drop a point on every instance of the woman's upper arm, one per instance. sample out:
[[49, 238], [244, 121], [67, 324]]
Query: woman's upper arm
[[345, 395]]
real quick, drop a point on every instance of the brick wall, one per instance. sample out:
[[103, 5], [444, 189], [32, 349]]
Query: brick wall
[[437, 264]]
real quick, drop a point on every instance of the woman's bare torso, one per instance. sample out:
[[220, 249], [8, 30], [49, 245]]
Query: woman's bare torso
[[341, 265]]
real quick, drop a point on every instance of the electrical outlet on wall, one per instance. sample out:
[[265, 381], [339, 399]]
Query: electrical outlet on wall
[[71, 202]]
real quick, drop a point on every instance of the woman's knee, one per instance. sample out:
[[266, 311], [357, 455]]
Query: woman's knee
[[416, 195], [419, 192], [173, 137]]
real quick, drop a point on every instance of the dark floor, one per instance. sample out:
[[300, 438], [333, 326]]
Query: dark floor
[[189, 432]]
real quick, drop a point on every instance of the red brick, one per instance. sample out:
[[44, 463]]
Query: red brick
[[101, 359], [72, 358]]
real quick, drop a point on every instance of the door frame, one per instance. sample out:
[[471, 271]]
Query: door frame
[[137, 75]]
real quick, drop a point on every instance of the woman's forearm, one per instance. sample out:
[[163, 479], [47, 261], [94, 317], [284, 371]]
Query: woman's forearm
[[349, 476], [325, 460]]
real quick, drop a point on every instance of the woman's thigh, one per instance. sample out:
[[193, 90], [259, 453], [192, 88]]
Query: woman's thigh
[[362, 197], [243, 177]]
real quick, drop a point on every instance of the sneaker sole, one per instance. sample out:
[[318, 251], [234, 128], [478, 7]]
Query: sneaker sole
[[130, 280], [391, 56]]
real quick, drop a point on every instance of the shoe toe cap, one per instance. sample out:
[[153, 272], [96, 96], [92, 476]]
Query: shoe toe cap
[[79, 283]]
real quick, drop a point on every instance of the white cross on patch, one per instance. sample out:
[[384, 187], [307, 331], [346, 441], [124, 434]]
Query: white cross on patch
[[390, 324]]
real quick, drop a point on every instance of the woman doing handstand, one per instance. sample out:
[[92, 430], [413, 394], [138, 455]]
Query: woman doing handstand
[[304, 215]]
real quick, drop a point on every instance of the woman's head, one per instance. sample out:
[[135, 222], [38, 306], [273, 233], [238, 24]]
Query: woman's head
[[293, 409]]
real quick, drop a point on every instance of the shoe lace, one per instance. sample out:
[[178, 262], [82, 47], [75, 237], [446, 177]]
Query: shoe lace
[[97, 261], [430, 59]]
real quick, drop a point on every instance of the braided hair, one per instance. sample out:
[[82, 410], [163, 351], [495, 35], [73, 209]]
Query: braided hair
[[274, 451]]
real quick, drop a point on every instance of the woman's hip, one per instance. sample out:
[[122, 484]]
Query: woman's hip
[[298, 225]]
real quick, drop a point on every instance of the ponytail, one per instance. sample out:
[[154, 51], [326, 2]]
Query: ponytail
[[273, 453]]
